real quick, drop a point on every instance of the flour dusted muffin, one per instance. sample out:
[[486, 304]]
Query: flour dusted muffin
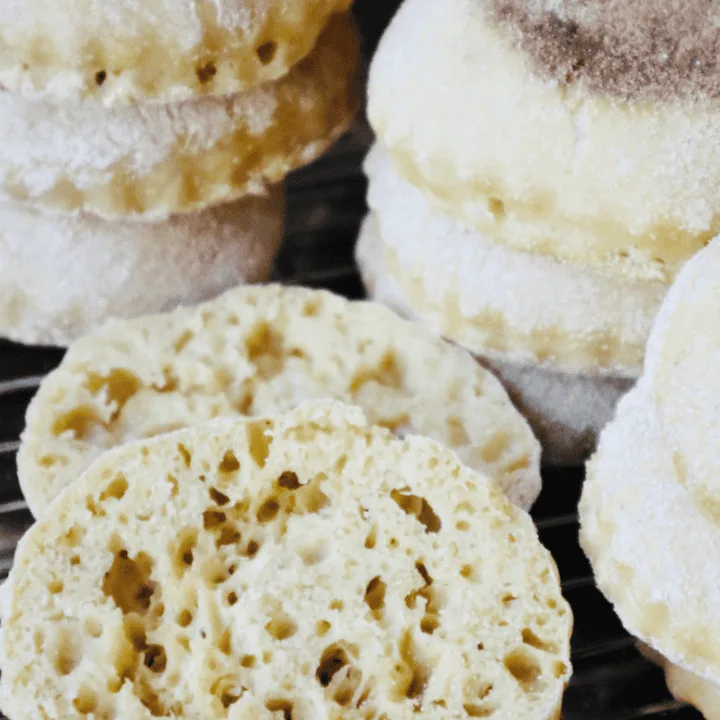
[[681, 367], [63, 276], [566, 411], [655, 554], [307, 565], [260, 350], [628, 93], [164, 50], [496, 301], [148, 161]]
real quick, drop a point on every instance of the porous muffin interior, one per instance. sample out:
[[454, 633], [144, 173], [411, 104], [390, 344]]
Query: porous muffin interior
[[263, 350], [302, 567]]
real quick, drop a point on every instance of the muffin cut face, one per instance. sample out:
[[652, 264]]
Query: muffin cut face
[[260, 350], [304, 566]]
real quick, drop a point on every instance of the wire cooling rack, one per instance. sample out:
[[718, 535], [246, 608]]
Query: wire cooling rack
[[612, 681]]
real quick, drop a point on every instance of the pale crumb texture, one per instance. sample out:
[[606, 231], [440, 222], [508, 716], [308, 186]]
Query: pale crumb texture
[[493, 299], [127, 51], [63, 276], [681, 367], [262, 350], [640, 51], [566, 411], [308, 567], [148, 161], [654, 552], [542, 166]]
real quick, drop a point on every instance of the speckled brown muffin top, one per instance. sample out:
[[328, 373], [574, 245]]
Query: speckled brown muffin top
[[641, 50]]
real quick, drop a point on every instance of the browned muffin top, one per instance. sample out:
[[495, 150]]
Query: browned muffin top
[[628, 49]]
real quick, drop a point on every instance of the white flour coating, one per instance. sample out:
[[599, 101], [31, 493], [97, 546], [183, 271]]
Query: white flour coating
[[45, 142], [655, 555], [547, 167], [565, 411], [154, 50], [532, 294], [681, 366], [63, 276]]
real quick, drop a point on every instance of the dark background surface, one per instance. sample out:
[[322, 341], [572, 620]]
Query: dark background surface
[[612, 681]]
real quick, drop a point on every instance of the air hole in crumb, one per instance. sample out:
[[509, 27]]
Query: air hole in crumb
[[375, 596], [458, 434], [80, 422], [289, 480], [55, 587], [311, 308], [337, 605], [468, 572], [495, 447], [478, 711], [252, 548], [184, 618], [85, 702], [281, 627], [530, 638], [213, 519], [283, 706], [206, 72], [264, 347], [312, 555], [100, 77], [155, 658], [229, 463], [225, 642], [410, 675], [217, 497], [65, 653], [322, 628], [231, 598], [388, 373], [371, 539], [523, 667], [259, 442], [116, 489], [75, 560], [247, 661], [429, 624], [268, 511], [93, 628], [184, 553], [119, 385], [333, 659], [128, 583], [559, 669], [266, 52], [184, 454], [419, 507], [462, 525], [496, 208]]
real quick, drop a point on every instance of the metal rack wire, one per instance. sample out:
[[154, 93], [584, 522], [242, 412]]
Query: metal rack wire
[[612, 681]]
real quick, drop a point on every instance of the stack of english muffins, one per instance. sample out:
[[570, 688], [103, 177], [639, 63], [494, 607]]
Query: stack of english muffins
[[145, 145], [650, 510], [542, 172]]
